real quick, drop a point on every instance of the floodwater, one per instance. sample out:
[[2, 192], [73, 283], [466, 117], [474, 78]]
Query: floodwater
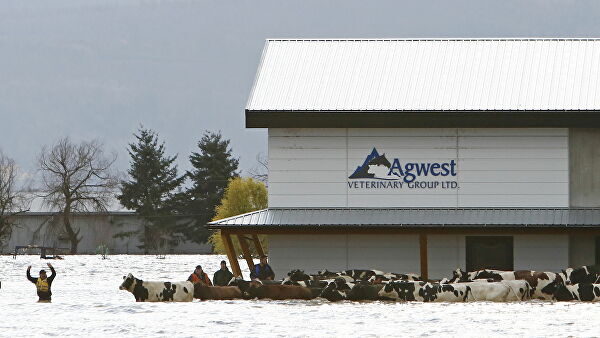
[[87, 302]]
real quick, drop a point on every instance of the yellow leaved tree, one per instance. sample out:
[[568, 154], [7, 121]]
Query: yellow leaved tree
[[242, 195]]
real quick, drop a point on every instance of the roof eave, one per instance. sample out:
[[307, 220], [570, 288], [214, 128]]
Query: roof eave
[[422, 119]]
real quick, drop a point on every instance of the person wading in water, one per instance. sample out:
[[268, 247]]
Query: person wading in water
[[43, 283], [199, 276]]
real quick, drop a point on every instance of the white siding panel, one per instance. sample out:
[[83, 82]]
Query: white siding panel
[[393, 253], [307, 142], [310, 253], [511, 153], [446, 253], [513, 142], [290, 132], [356, 156], [512, 188], [541, 252], [402, 132], [496, 167], [500, 165], [296, 153], [490, 201], [418, 142], [514, 176], [316, 164], [404, 201], [338, 188], [296, 200], [527, 132], [299, 176]]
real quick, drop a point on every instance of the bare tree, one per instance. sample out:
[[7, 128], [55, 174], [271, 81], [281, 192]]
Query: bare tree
[[76, 178], [260, 172], [12, 199]]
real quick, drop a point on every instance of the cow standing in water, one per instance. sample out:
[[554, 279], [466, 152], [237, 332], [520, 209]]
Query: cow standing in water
[[256, 289], [584, 274], [145, 291], [425, 291], [206, 292], [585, 292], [537, 279]]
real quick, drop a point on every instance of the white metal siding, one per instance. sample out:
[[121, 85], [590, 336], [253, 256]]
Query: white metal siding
[[312, 253], [541, 252], [440, 74], [496, 167], [445, 254]]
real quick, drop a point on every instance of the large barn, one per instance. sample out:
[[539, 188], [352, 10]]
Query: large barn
[[427, 155]]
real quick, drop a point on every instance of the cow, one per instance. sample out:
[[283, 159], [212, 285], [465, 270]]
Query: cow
[[387, 277], [329, 275], [340, 289], [502, 291], [586, 292], [337, 290], [424, 291], [256, 289], [403, 291], [584, 274], [537, 279], [205, 292], [145, 291], [298, 277]]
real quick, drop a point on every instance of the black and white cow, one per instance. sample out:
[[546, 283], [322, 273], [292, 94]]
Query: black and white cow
[[585, 292], [537, 279], [424, 291], [340, 289], [298, 277], [145, 291], [584, 274]]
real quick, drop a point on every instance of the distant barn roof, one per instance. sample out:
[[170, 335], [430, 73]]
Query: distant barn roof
[[428, 74]]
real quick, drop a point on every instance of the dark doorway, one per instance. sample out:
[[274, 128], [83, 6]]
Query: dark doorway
[[597, 250], [489, 252]]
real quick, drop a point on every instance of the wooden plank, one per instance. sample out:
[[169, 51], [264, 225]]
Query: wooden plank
[[258, 246], [423, 255], [231, 255], [246, 251]]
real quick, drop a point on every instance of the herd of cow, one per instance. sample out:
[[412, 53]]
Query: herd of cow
[[580, 284]]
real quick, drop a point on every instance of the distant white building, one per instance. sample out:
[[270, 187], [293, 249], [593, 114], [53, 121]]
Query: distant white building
[[428, 155], [42, 227]]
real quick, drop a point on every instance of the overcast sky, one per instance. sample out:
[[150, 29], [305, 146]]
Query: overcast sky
[[100, 68]]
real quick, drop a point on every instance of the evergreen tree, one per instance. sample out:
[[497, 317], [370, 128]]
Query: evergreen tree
[[152, 191], [213, 167]]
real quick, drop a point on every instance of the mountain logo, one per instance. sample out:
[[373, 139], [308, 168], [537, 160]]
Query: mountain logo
[[375, 166]]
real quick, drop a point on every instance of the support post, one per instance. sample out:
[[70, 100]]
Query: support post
[[246, 251], [258, 246], [231, 255], [423, 255]]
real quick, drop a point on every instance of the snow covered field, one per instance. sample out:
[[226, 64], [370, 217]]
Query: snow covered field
[[87, 302]]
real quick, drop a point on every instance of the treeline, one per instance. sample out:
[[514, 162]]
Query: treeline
[[174, 206]]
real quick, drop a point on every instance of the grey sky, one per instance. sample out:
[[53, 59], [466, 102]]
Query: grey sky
[[100, 68]]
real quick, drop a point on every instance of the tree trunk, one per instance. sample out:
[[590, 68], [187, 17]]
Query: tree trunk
[[72, 234], [146, 239]]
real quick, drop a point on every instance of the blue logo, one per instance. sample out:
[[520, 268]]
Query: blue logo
[[379, 167]]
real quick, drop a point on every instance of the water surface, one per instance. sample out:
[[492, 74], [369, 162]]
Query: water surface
[[87, 302]]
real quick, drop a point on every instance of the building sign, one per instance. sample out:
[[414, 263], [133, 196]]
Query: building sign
[[377, 172]]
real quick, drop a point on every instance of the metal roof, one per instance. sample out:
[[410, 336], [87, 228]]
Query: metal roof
[[428, 75], [413, 217]]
